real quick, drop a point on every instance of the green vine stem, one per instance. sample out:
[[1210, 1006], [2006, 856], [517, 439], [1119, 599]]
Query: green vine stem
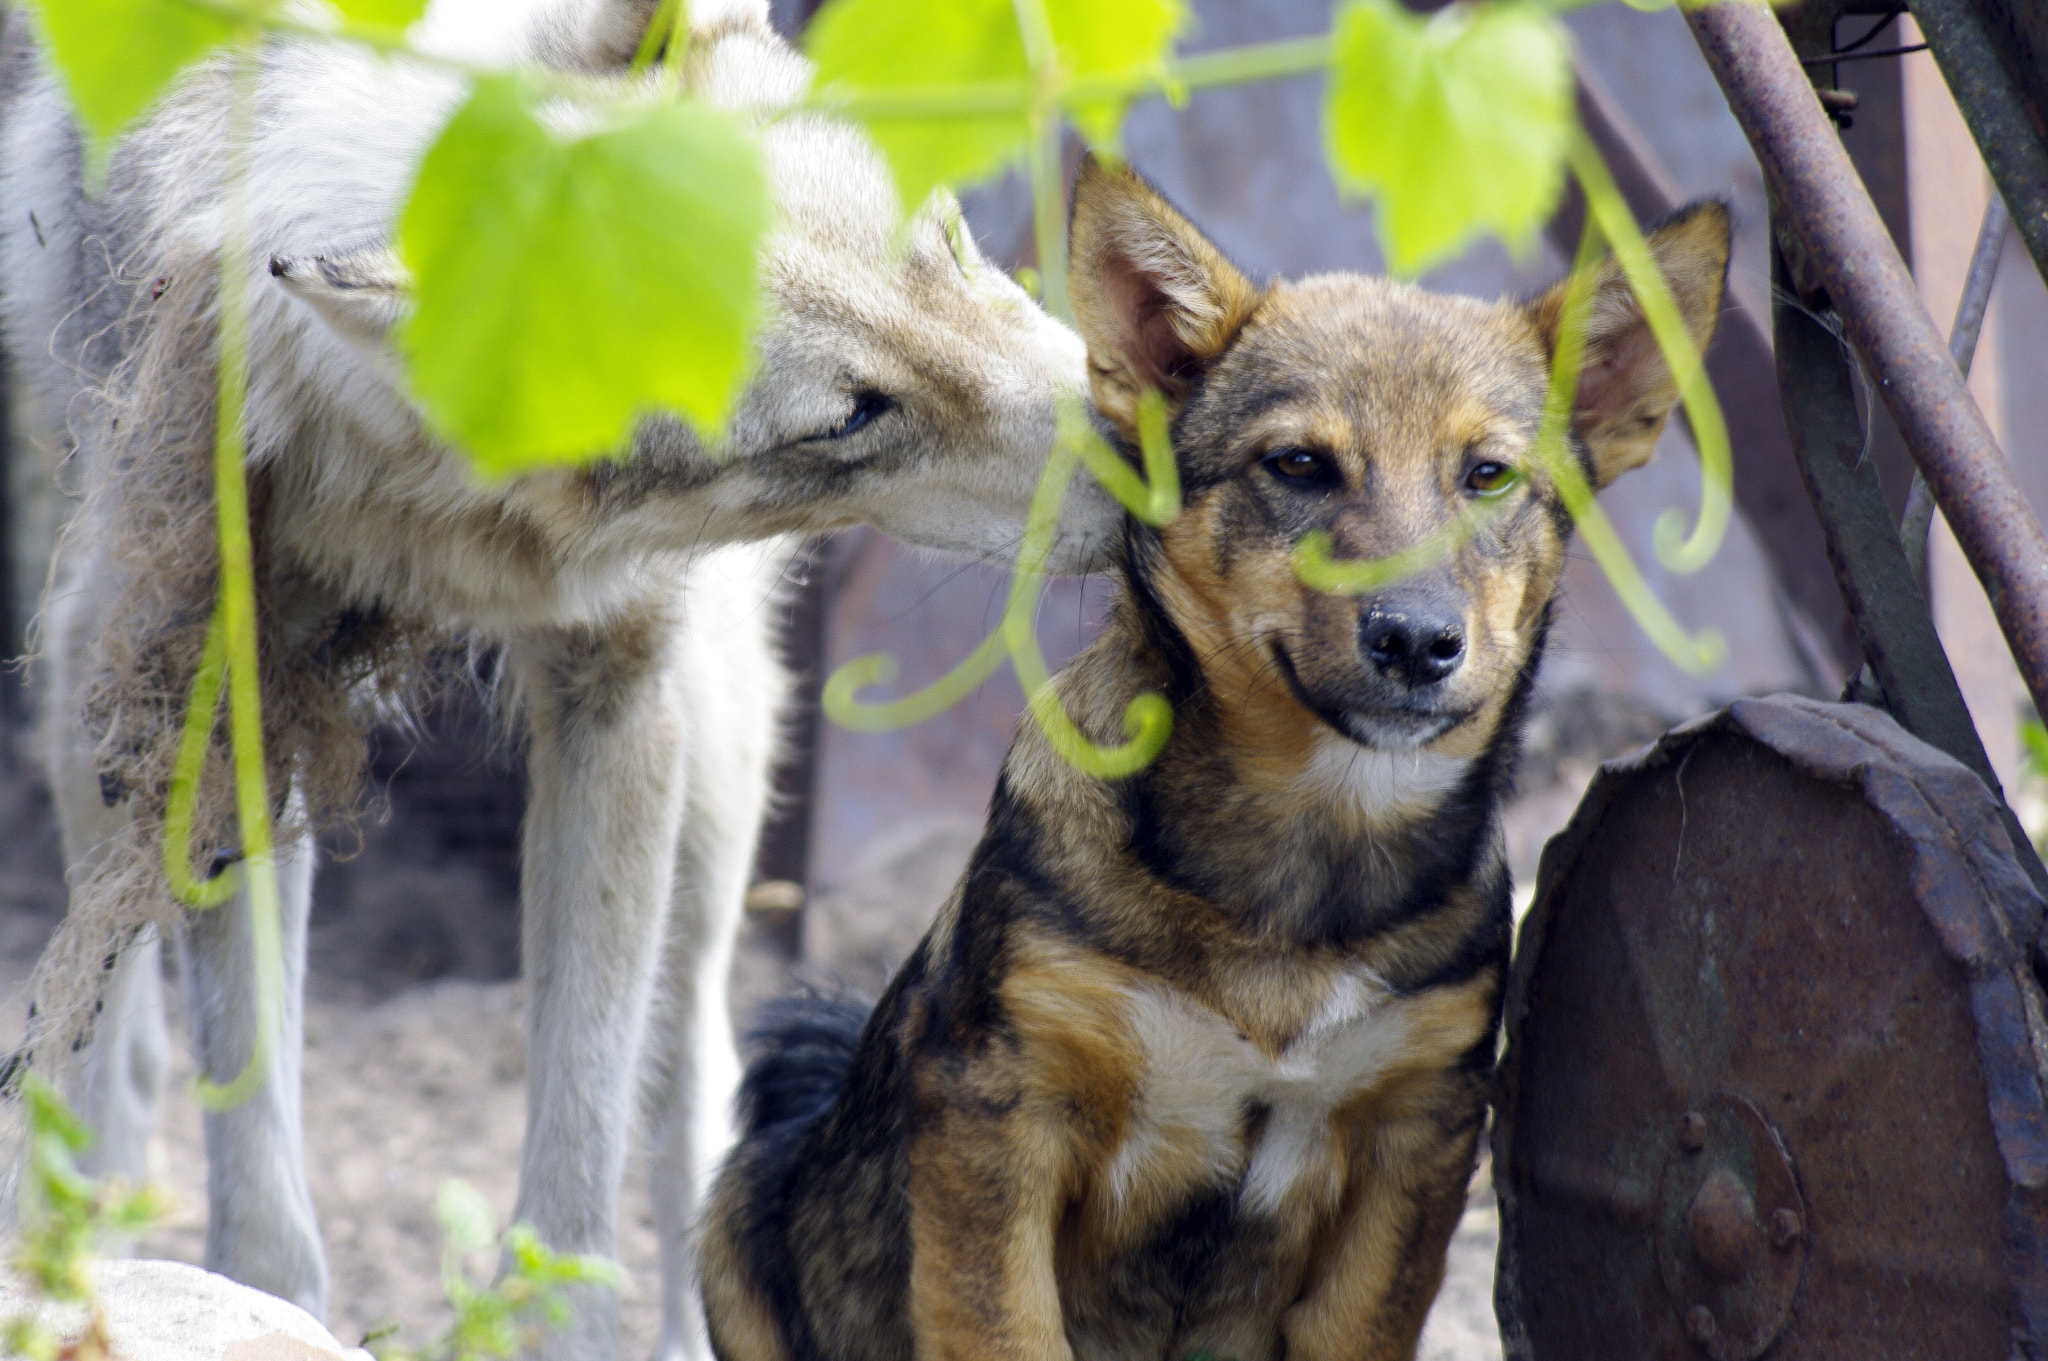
[[187, 887], [1700, 653], [1153, 498], [1048, 187], [671, 23], [1316, 568], [1710, 429], [879, 668], [1173, 77], [1155, 501], [1148, 718], [236, 615]]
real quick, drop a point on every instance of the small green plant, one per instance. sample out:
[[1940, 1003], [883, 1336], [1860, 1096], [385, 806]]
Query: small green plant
[[2029, 795], [65, 1218], [2034, 741], [529, 1300]]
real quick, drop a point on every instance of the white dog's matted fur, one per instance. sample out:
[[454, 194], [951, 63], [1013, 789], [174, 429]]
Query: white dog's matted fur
[[902, 382]]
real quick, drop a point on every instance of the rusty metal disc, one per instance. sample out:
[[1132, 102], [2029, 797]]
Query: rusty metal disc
[[1776, 1082]]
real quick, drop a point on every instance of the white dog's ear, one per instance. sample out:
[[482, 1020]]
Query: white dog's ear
[[1152, 297], [1625, 388], [360, 294]]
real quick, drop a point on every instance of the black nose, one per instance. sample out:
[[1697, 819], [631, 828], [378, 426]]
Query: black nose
[[1419, 642]]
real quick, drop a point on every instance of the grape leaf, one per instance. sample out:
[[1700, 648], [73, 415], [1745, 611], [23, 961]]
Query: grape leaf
[[880, 46], [567, 285], [117, 56], [1458, 123], [1096, 37], [393, 15]]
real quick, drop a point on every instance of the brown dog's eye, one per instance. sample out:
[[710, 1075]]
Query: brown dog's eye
[[1302, 468], [1489, 478]]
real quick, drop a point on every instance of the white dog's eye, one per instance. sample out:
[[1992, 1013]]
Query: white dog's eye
[[868, 406]]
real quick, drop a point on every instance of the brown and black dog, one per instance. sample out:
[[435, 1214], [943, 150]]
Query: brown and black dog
[[1194, 1062]]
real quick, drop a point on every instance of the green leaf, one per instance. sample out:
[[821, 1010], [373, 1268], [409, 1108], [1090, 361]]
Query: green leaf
[[394, 15], [884, 46], [117, 56], [2034, 737], [465, 1216], [566, 286], [1458, 123], [1098, 37]]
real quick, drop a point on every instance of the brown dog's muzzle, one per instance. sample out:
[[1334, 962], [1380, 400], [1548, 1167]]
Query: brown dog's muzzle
[[1413, 636]]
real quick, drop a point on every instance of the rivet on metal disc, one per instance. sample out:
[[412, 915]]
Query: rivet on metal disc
[[1786, 1228], [1692, 1131], [1725, 1235], [1699, 1324]]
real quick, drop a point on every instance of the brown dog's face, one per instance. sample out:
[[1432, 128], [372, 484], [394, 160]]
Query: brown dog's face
[[1382, 415]]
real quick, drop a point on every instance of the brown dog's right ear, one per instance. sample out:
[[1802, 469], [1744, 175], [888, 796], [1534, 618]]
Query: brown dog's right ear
[[1153, 299]]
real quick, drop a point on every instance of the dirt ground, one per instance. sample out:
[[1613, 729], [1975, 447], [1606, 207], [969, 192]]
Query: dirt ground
[[409, 1082]]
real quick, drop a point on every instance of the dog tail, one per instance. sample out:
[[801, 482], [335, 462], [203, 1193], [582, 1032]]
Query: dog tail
[[803, 1051]]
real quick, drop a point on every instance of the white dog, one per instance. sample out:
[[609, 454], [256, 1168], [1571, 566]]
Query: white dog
[[900, 382]]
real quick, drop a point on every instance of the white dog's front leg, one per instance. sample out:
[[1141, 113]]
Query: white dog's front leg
[[733, 687], [598, 863], [118, 1089], [260, 1226], [123, 1076]]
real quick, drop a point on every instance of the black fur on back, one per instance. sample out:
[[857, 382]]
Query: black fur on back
[[802, 1051]]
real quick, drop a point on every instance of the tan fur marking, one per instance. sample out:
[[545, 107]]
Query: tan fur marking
[[1069, 1012], [743, 1325], [985, 1194], [1373, 1283]]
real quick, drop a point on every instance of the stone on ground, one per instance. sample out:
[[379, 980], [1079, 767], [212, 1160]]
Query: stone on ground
[[168, 1311]]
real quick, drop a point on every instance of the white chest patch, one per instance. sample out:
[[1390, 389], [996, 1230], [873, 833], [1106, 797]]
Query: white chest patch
[[1371, 780], [1202, 1078]]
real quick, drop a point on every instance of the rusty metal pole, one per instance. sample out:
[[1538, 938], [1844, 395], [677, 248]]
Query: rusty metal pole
[[1853, 258]]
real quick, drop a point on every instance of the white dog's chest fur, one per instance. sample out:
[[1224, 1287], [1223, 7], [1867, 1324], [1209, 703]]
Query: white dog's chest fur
[[1196, 1120]]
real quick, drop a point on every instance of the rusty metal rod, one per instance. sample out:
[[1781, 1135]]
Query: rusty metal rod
[[1855, 261], [1962, 345]]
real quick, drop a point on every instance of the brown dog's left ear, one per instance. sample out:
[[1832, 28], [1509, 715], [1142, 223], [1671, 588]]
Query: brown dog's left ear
[[1625, 388], [1152, 297]]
